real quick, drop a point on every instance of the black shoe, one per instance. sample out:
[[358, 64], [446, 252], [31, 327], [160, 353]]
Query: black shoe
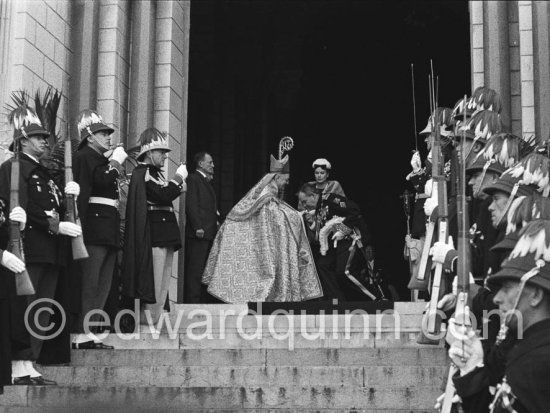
[[22, 381], [101, 346], [87, 345], [41, 381]]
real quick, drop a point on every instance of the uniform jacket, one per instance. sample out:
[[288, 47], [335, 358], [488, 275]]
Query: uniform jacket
[[200, 207], [96, 177], [336, 205], [146, 229], [527, 366], [38, 196]]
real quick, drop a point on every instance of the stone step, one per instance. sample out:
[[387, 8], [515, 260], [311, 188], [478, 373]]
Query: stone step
[[305, 322], [262, 339], [122, 409], [249, 376], [426, 356], [127, 399]]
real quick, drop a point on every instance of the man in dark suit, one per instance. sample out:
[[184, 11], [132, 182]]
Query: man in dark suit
[[202, 224]]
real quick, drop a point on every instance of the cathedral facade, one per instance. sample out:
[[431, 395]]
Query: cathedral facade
[[129, 60]]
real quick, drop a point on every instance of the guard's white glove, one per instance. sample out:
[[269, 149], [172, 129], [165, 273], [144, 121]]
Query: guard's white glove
[[439, 401], [119, 155], [12, 263], [414, 246], [69, 229], [430, 189], [440, 250], [466, 351], [338, 236], [429, 157], [72, 188], [416, 162], [18, 214], [182, 171], [429, 205]]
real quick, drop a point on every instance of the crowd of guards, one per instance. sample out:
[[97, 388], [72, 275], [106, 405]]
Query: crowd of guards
[[479, 249]]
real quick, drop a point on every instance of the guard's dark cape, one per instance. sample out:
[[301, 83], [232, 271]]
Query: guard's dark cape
[[137, 264]]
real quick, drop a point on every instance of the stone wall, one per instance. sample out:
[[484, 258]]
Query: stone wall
[[126, 59], [510, 53]]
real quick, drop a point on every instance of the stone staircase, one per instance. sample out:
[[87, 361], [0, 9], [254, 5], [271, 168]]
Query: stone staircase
[[207, 361]]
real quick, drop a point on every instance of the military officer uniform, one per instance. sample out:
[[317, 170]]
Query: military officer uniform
[[514, 374], [98, 209], [44, 247], [152, 234], [331, 266]]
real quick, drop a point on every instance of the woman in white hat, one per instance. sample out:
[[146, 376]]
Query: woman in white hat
[[321, 171]]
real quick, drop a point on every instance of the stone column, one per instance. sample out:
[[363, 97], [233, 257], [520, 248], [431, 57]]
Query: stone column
[[142, 70], [477, 44], [113, 65], [497, 57], [525, 13], [541, 49], [170, 96]]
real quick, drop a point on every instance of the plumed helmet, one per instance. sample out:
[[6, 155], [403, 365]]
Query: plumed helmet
[[151, 139], [530, 258], [485, 98], [441, 116], [501, 152], [25, 124], [481, 126], [90, 122]]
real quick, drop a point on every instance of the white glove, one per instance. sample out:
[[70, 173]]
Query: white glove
[[182, 171], [119, 155], [12, 263], [414, 247], [429, 206], [429, 156], [415, 162], [430, 189], [466, 351], [72, 188], [440, 250], [18, 214], [69, 229], [439, 401], [338, 236]]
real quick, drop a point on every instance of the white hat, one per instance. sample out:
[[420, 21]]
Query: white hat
[[321, 162]]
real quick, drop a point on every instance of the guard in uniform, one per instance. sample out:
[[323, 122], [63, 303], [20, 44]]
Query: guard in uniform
[[96, 168], [41, 199], [152, 233], [522, 288], [332, 261]]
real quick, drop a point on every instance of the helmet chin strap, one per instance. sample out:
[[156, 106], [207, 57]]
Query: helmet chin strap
[[96, 140], [35, 147]]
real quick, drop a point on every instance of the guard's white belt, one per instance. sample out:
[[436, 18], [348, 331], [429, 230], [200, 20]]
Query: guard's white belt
[[103, 201]]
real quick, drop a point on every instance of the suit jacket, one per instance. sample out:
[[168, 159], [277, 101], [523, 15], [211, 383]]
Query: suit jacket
[[200, 207]]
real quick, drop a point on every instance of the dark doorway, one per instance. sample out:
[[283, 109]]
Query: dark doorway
[[336, 77]]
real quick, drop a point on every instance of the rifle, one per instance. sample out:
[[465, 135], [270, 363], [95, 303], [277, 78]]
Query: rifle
[[462, 310], [421, 278], [433, 319], [71, 212], [23, 283]]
